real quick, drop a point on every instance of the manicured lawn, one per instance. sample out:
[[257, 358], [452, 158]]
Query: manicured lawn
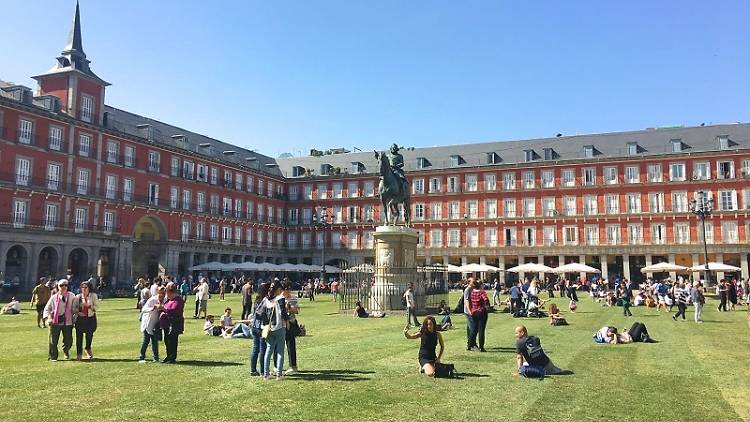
[[366, 370]]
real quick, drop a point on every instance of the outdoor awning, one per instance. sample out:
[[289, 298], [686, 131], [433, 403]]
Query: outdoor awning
[[530, 267], [715, 266], [663, 267], [575, 268]]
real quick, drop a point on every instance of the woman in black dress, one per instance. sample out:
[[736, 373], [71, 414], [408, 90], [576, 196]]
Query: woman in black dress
[[430, 338], [723, 296], [732, 294]]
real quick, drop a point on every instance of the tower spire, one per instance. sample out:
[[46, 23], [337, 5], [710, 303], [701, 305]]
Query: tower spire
[[75, 43]]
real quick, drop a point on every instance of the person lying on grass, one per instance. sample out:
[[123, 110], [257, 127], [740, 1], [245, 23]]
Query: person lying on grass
[[430, 339], [637, 333], [555, 316]]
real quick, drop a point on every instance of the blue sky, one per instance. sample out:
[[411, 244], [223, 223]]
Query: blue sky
[[286, 76]]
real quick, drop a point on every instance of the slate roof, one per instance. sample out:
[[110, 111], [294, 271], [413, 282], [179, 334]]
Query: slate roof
[[606, 146]]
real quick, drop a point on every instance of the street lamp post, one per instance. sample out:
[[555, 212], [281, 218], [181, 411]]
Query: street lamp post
[[321, 222], [702, 208]]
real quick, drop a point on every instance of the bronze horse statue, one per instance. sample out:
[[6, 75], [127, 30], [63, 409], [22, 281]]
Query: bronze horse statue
[[393, 191]]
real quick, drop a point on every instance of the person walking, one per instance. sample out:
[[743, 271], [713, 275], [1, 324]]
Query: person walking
[[184, 289], [247, 299], [696, 294], [150, 324], [172, 322], [625, 299], [222, 288], [681, 297], [201, 298], [479, 306], [86, 321], [39, 298], [411, 306], [59, 312], [496, 288], [723, 293], [470, 338]]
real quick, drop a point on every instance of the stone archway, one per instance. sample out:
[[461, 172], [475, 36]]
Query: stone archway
[[78, 264], [16, 265], [49, 260], [150, 247]]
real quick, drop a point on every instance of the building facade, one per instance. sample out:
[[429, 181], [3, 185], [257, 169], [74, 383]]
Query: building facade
[[91, 189]]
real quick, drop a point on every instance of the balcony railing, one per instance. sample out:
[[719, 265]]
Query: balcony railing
[[54, 226]]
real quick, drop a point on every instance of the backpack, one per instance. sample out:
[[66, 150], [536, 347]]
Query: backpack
[[534, 348], [445, 370]]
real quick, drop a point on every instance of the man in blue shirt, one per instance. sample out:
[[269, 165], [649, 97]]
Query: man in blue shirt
[[515, 296]]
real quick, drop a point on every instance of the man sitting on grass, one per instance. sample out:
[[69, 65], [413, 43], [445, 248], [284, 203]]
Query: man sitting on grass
[[530, 356], [12, 308]]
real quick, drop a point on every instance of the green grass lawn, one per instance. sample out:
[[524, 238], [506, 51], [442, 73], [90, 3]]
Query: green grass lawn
[[366, 370]]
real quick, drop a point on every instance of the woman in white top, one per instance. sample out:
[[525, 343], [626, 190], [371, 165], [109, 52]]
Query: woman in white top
[[86, 322], [273, 313], [150, 324]]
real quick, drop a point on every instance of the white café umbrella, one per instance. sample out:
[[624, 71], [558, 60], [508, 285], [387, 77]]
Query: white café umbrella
[[330, 269], [575, 267], [477, 268], [208, 266], [453, 268], [530, 267], [663, 267], [288, 267], [715, 266], [361, 268], [247, 266]]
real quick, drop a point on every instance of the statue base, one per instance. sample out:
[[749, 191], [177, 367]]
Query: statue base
[[395, 268]]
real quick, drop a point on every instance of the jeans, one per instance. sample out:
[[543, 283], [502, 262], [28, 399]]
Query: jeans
[[258, 351], [291, 347], [275, 345], [54, 338], [154, 340], [184, 297], [681, 307], [411, 312], [698, 312], [170, 342], [479, 324], [470, 341], [496, 297], [241, 330]]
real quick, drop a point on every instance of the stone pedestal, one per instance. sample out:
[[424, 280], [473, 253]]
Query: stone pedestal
[[395, 267]]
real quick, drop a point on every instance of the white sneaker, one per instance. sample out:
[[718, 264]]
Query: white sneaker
[[141, 360], [291, 370]]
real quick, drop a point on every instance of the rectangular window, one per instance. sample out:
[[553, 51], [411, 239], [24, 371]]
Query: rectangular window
[[188, 170], [51, 212], [592, 234], [528, 179], [55, 138], [658, 234], [237, 235], [353, 189], [548, 179], [679, 202], [453, 184], [84, 145], [471, 183], [490, 182], [570, 205], [729, 232], [613, 234], [677, 172], [238, 179], [25, 131], [570, 235], [654, 173], [454, 238], [187, 199], [588, 151], [509, 207], [53, 176], [701, 170], [728, 200], [434, 185], [226, 235], [568, 178], [417, 186], [81, 217], [338, 190], [656, 202], [293, 192], [153, 194], [174, 196], [510, 236], [113, 152], [635, 234], [529, 207], [214, 176], [490, 237], [632, 148], [490, 208], [127, 190], [437, 210], [550, 235], [454, 212], [610, 175], [200, 229], [293, 216], [613, 203], [20, 214], [153, 161], [200, 201], [472, 209], [129, 156], [725, 170], [419, 211], [589, 176], [634, 203], [509, 181], [109, 222], [110, 186], [632, 174], [436, 238], [261, 187], [529, 236], [472, 237], [590, 205], [548, 207], [175, 167], [213, 232], [682, 233], [369, 188], [676, 145], [87, 108], [83, 181]]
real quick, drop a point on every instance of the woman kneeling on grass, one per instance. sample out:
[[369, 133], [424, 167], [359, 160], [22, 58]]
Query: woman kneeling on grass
[[430, 338]]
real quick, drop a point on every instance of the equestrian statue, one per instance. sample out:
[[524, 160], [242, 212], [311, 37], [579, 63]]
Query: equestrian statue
[[393, 188]]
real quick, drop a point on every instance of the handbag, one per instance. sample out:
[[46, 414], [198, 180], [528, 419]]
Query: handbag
[[266, 328]]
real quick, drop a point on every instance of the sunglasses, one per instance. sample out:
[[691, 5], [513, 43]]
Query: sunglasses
[[63, 285]]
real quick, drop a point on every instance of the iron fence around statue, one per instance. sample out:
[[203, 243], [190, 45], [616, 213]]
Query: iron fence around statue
[[383, 288]]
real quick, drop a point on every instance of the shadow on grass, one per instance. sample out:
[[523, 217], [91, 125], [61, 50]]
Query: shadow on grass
[[207, 363], [96, 359], [502, 349], [463, 375], [564, 372], [331, 375]]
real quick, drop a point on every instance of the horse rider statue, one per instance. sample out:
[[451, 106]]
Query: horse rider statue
[[393, 188]]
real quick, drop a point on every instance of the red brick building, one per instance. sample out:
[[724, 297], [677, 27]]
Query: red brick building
[[92, 189]]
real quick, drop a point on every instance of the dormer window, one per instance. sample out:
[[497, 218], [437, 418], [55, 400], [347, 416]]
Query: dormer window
[[325, 169], [677, 145], [422, 163], [298, 171], [456, 160], [723, 141], [529, 155], [632, 148], [588, 151], [549, 154], [493, 158], [357, 167]]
